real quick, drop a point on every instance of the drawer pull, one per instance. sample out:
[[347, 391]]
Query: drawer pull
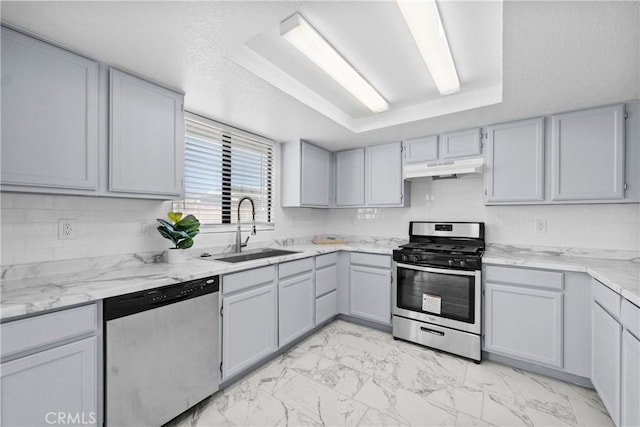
[[431, 331]]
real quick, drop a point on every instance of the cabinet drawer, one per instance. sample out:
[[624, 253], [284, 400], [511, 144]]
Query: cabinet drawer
[[526, 277], [380, 261], [326, 259], [26, 334], [247, 279], [608, 299], [287, 269], [326, 279], [326, 307], [630, 316]]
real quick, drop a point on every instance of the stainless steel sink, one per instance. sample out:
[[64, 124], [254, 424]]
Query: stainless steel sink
[[250, 255]]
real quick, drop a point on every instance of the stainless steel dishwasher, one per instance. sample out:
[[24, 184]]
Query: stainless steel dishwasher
[[161, 352]]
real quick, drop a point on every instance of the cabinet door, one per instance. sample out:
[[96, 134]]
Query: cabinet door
[[36, 388], [49, 115], [384, 175], [587, 151], [464, 143], [350, 177], [146, 137], [249, 328], [630, 380], [370, 294], [515, 162], [524, 323], [606, 335], [297, 303], [316, 171], [326, 307], [420, 150]]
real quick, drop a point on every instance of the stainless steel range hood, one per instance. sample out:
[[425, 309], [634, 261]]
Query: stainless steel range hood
[[442, 169]]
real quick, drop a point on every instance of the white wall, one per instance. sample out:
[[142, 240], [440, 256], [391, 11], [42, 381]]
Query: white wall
[[607, 226]]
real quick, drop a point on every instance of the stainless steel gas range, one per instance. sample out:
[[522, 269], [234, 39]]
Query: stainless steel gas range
[[437, 291]]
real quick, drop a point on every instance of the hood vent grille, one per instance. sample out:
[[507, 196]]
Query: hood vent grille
[[446, 169]]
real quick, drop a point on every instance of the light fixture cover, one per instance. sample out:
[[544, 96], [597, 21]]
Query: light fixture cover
[[424, 22], [308, 41]]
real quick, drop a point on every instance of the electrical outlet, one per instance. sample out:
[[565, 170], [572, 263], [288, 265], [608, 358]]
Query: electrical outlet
[[143, 227], [541, 225], [66, 229]]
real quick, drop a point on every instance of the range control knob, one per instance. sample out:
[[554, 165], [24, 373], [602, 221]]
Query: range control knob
[[463, 263], [414, 258], [450, 262], [404, 257]]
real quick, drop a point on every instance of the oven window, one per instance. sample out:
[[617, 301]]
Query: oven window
[[437, 294]]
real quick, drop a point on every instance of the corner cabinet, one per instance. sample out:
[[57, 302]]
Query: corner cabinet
[[146, 137], [49, 116], [305, 175], [587, 151], [514, 170], [349, 183]]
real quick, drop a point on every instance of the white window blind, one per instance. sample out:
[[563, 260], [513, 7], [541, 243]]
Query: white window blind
[[223, 165]]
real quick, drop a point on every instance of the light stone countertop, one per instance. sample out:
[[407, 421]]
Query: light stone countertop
[[34, 288], [39, 287], [618, 270]]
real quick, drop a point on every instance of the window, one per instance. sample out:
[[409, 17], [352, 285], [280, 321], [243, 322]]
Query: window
[[223, 165]]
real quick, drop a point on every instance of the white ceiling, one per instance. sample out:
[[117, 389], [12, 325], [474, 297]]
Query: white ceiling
[[556, 56]]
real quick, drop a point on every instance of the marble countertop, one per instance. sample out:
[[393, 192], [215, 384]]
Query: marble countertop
[[66, 284], [39, 287], [619, 271]]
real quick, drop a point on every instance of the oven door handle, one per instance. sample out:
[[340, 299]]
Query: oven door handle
[[437, 270]]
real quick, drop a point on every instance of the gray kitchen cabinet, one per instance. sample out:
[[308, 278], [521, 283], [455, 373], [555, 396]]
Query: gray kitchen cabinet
[[606, 341], [514, 155], [523, 314], [326, 287], [587, 154], [50, 366], [296, 300], [460, 144], [349, 182], [249, 319], [305, 175], [146, 137], [49, 116], [384, 183], [420, 150], [630, 396], [370, 287]]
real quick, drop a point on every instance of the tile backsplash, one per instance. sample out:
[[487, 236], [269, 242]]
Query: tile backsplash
[[114, 226]]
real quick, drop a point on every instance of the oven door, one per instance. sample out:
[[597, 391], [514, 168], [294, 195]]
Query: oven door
[[440, 296]]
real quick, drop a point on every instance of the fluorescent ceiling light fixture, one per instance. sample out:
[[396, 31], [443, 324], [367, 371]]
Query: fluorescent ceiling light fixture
[[424, 22], [308, 41]]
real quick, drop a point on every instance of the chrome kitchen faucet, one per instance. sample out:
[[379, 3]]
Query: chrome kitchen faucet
[[239, 244]]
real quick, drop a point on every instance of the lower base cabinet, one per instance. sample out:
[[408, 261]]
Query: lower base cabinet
[[630, 415], [296, 309], [249, 328], [370, 287], [57, 386]]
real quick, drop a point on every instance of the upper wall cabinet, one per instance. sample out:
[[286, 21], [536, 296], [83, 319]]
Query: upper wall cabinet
[[146, 137], [466, 143], [384, 184], [587, 152], [349, 188], [515, 162], [305, 175], [49, 115], [421, 150]]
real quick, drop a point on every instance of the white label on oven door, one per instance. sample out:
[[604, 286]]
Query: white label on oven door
[[431, 303]]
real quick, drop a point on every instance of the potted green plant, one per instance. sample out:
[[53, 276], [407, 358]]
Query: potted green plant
[[181, 232]]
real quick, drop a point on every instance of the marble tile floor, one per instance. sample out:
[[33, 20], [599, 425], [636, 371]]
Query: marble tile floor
[[350, 375]]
